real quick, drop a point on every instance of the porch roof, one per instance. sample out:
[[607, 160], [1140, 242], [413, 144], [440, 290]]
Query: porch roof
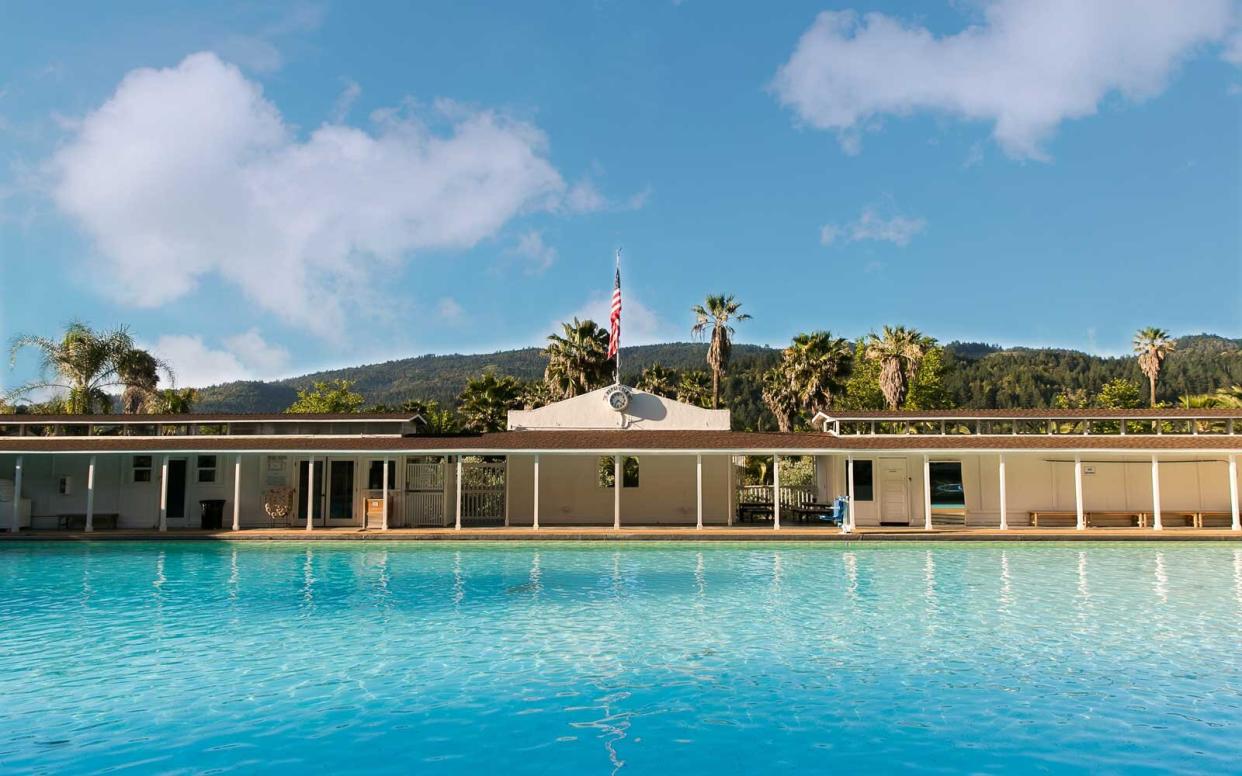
[[567, 441]]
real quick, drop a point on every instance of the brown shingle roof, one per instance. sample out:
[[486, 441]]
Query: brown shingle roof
[[617, 440], [1036, 413], [199, 417]]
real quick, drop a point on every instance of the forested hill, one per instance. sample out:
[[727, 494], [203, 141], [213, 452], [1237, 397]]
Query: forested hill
[[975, 375]]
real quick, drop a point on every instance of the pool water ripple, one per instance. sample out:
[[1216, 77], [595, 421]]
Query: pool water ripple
[[324, 657]]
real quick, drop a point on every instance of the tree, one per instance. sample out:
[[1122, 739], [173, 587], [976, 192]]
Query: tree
[[694, 387], [84, 363], [441, 421], [139, 372], [1119, 394], [659, 380], [328, 396], [1222, 398], [816, 365], [485, 403], [535, 394], [171, 401], [577, 359], [926, 391], [780, 396], [899, 352], [714, 316], [1152, 345]]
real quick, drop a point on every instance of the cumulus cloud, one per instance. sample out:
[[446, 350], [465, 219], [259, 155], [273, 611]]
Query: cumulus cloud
[[1026, 67], [189, 171], [870, 225], [449, 310], [640, 325], [530, 245], [246, 356]]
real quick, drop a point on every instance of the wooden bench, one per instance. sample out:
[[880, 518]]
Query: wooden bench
[[1221, 519], [1112, 519], [77, 521], [1053, 515], [753, 511]]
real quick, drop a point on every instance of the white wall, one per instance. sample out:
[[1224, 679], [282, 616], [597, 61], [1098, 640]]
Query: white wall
[[570, 494]]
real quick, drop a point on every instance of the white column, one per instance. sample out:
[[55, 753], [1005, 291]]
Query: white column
[[1081, 522], [310, 494], [927, 516], [384, 519], [164, 494], [90, 495], [849, 490], [776, 491], [1236, 523], [618, 475], [732, 492], [237, 492], [457, 525], [1157, 523], [15, 526], [535, 522], [698, 490], [1004, 502]]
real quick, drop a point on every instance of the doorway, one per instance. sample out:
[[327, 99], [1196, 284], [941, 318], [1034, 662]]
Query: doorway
[[341, 492], [894, 492], [176, 489]]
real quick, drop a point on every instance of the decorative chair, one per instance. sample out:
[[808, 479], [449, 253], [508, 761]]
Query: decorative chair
[[278, 503]]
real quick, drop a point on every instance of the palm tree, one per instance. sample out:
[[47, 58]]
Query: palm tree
[[170, 401], [83, 363], [485, 403], [693, 387], [780, 396], [536, 394], [1152, 345], [139, 372], [816, 364], [714, 315], [659, 380], [899, 353], [578, 359]]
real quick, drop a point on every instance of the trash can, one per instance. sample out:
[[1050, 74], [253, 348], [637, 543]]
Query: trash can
[[211, 513]]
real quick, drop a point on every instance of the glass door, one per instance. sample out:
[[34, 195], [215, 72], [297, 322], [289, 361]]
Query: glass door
[[341, 492]]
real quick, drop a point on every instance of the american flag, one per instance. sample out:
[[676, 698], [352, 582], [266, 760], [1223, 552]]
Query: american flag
[[614, 316]]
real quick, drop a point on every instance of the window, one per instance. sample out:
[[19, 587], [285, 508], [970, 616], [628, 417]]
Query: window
[[142, 468], [946, 484], [206, 468], [375, 475], [607, 472], [863, 490]]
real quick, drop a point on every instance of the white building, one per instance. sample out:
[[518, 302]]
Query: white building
[[679, 465]]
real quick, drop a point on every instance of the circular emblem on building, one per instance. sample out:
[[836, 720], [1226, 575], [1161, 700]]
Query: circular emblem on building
[[618, 397]]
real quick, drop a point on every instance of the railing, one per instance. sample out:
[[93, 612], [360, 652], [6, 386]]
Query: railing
[[792, 496], [1017, 425]]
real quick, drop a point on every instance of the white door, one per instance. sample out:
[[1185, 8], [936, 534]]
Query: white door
[[894, 491]]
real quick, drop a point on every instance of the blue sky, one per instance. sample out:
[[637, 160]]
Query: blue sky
[[261, 192]]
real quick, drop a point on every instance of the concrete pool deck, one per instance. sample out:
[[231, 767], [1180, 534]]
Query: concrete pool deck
[[735, 533]]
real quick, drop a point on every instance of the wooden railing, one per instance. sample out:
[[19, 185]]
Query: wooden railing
[[791, 496]]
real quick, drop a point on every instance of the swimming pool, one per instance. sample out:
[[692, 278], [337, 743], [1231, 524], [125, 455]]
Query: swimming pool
[[588, 658]]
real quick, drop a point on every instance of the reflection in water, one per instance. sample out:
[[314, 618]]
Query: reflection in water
[[383, 590], [1237, 577], [459, 584], [700, 579], [851, 575], [536, 575], [234, 577], [1006, 586], [308, 583], [1162, 579], [930, 597], [1084, 589]]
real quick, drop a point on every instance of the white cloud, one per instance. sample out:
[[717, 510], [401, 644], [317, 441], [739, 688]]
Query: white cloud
[[245, 356], [640, 325], [345, 100], [530, 245], [188, 172], [449, 310], [1026, 67], [870, 225]]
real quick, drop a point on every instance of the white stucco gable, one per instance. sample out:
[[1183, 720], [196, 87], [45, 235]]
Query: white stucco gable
[[645, 411]]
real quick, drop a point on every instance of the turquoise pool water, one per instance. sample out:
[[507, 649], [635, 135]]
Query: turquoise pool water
[[690, 658]]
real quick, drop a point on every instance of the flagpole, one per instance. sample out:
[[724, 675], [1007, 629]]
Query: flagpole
[[616, 375]]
